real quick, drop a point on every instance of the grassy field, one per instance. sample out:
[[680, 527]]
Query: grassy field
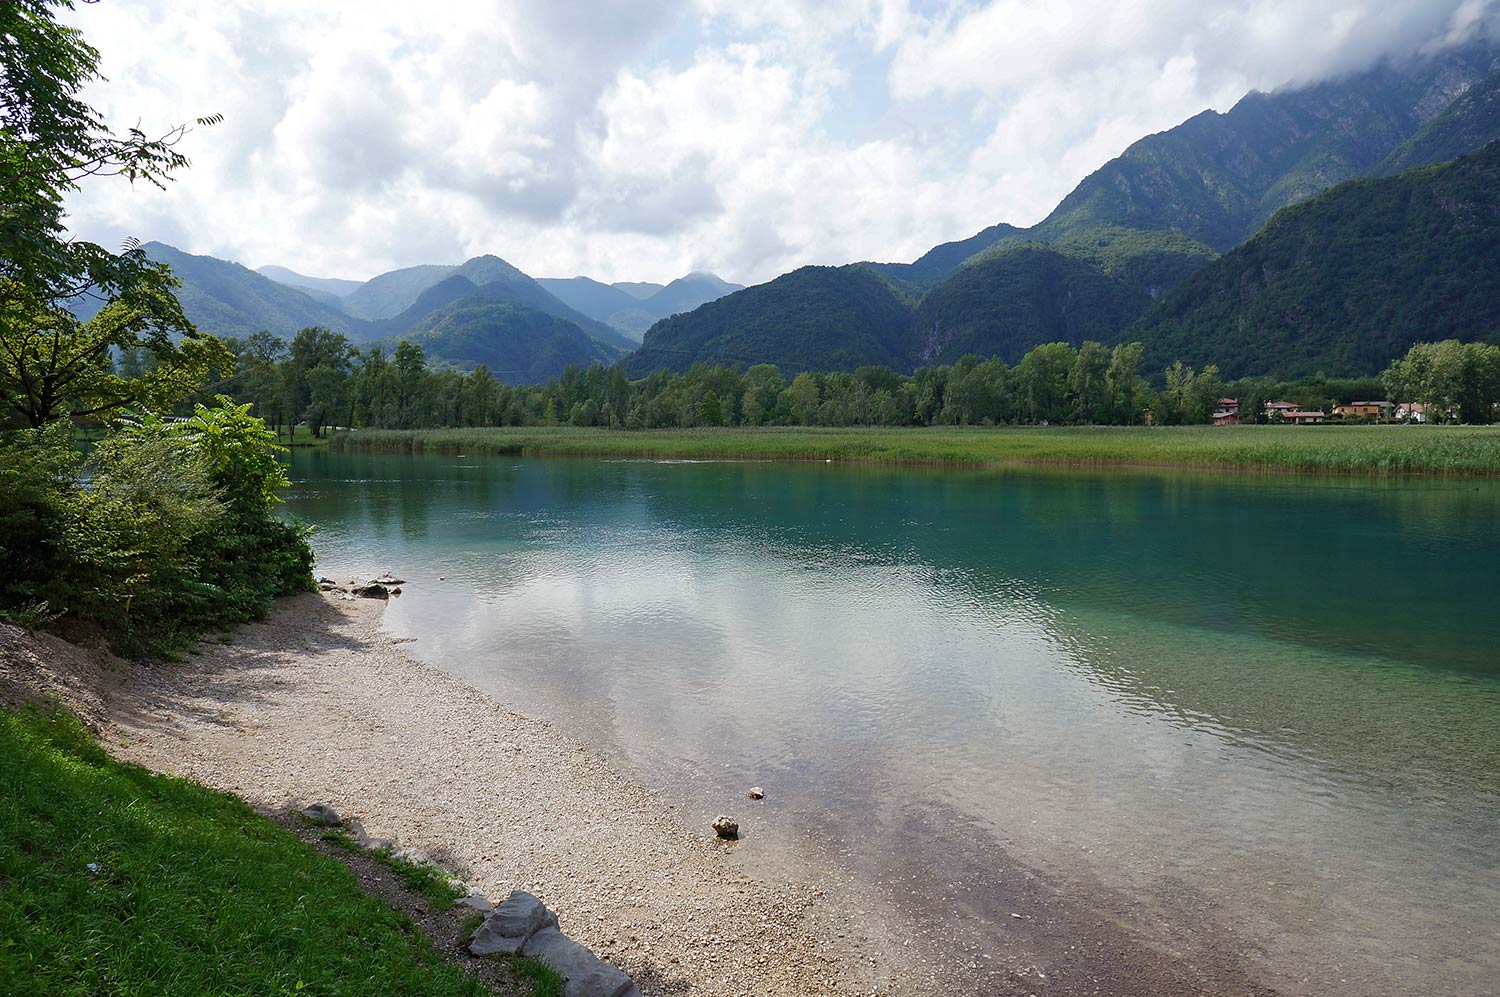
[[115, 880], [1450, 450]]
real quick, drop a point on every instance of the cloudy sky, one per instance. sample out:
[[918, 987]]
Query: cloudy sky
[[641, 139]]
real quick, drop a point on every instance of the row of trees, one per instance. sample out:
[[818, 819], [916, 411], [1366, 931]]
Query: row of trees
[[1451, 380], [320, 379]]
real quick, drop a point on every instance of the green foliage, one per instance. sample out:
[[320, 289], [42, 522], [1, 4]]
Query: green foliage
[[1461, 378], [52, 362], [120, 881], [166, 532], [1348, 281]]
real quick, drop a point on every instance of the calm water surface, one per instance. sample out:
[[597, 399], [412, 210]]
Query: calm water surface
[[1259, 709]]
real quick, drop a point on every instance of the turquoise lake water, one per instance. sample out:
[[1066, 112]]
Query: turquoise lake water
[[1266, 708]]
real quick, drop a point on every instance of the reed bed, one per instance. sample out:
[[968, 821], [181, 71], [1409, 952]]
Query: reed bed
[[1390, 450]]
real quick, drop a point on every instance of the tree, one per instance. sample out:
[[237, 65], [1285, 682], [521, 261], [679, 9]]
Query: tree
[[51, 363]]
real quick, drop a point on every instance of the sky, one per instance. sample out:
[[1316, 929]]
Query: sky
[[643, 139]]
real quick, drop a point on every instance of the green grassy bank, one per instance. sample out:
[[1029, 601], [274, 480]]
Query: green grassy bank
[[1451, 450], [115, 880]]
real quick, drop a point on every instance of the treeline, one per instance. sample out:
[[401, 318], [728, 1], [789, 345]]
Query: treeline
[[321, 380]]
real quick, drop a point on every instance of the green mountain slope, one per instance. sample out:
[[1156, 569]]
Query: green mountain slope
[[940, 261], [520, 345], [1348, 281], [815, 318], [1017, 299], [226, 299], [1217, 178]]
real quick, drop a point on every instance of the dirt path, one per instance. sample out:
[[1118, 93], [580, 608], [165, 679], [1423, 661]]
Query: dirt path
[[317, 704]]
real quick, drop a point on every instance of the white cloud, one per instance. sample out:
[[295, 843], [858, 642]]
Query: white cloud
[[637, 139]]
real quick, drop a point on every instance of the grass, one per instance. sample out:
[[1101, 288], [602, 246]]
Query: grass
[[1442, 450], [115, 880]]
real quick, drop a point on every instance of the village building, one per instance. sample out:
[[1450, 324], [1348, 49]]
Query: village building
[[1227, 413], [1294, 414], [1380, 411]]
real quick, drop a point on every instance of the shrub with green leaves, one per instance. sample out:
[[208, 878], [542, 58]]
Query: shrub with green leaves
[[166, 531]]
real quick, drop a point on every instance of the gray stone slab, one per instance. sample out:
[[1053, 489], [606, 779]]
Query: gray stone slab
[[511, 924], [584, 974]]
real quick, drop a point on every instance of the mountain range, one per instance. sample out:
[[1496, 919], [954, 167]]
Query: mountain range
[[1294, 233], [483, 311], [1125, 238]]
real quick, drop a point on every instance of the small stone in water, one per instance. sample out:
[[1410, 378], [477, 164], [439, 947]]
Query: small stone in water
[[756, 793], [726, 827]]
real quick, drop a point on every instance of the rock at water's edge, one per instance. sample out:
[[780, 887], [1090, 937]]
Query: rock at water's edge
[[726, 827], [756, 793]]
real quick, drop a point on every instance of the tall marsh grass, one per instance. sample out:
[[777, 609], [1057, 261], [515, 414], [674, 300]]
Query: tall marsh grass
[[1438, 450]]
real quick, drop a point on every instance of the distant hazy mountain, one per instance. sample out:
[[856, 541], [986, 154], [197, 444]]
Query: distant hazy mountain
[[597, 301], [1346, 282], [392, 293], [334, 286], [815, 318], [631, 312], [638, 289], [227, 299], [686, 293]]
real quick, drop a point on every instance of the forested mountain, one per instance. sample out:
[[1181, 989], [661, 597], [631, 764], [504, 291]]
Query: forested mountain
[[941, 261], [1156, 215], [332, 286], [1010, 302], [227, 299], [520, 345], [1346, 282], [815, 318]]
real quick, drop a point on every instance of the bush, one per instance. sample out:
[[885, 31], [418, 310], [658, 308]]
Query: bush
[[166, 531]]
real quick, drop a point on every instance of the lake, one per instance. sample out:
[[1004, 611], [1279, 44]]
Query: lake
[[1249, 721]]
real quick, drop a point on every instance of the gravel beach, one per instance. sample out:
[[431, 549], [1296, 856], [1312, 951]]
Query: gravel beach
[[318, 704]]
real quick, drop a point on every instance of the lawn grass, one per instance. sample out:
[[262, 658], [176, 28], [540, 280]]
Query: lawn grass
[[115, 880], [1442, 450]]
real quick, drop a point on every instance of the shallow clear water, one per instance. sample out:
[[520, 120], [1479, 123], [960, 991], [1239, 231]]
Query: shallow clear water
[[1268, 706]]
